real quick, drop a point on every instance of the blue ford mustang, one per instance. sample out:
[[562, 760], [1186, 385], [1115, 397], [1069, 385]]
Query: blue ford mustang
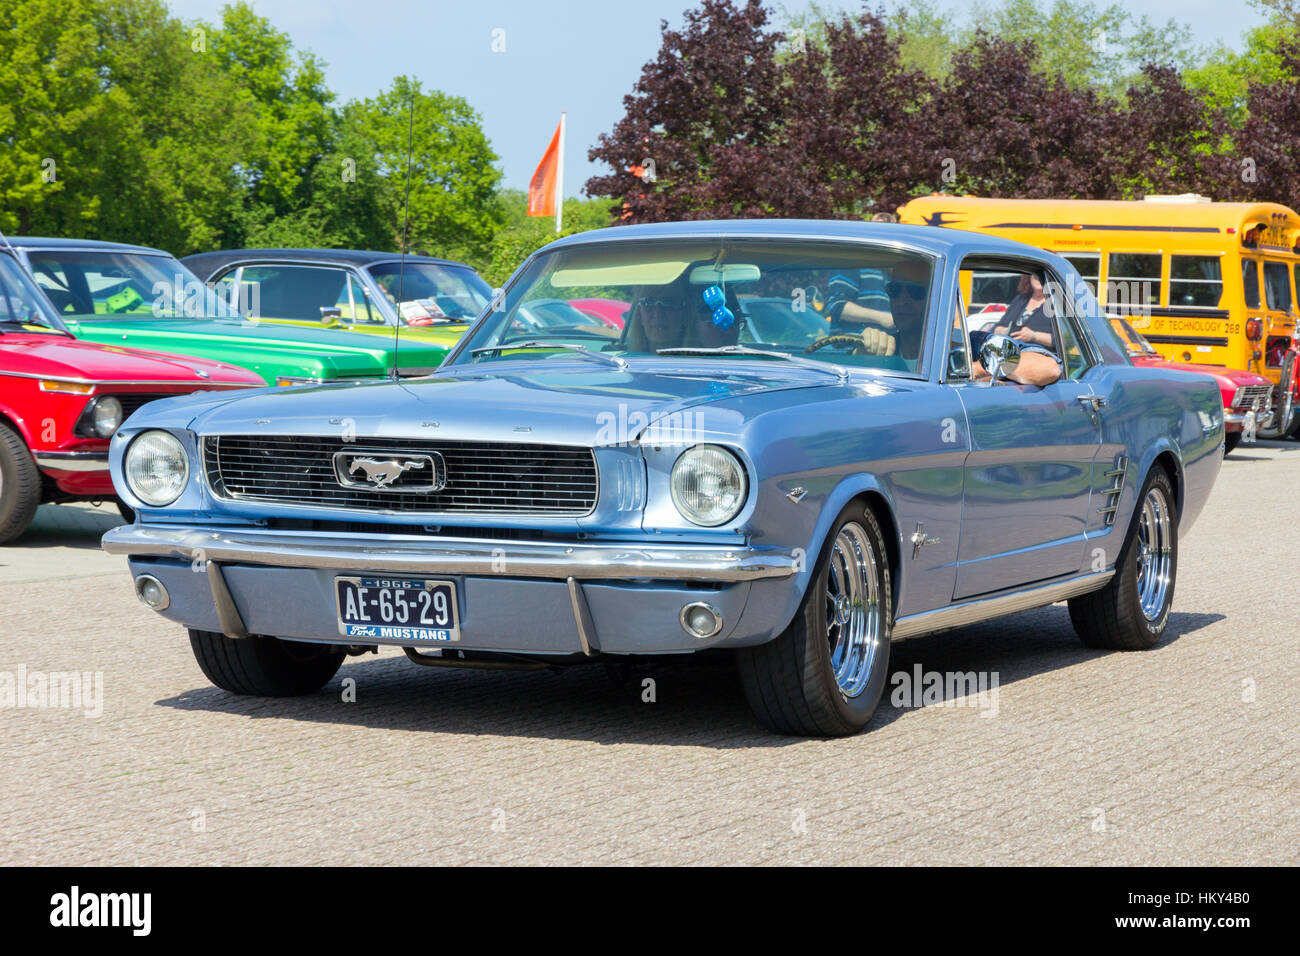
[[791, 450]]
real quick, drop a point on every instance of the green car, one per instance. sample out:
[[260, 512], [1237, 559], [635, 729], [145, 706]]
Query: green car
[[132, 295], [430, 300]]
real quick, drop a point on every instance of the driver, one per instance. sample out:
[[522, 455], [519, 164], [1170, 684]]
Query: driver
[[895, 331], [657, 320]]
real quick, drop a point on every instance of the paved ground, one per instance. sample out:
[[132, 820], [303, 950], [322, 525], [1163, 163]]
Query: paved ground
[[1184, 754]]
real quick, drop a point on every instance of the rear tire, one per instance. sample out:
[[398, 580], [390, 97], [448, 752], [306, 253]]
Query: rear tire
[[824, 676], [265, 666], [1131, 612], [20, 485]]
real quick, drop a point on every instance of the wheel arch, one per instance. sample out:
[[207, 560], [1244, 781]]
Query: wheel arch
[[871, 492]]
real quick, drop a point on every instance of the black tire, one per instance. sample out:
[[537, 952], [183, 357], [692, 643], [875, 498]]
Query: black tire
[[1230, 441], [1113, 618], [265, 666], [125, 510], [20, 485], [789, 681]]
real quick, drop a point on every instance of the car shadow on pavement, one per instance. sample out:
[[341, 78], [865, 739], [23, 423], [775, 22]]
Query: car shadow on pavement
[[68, 526], [697, 703]]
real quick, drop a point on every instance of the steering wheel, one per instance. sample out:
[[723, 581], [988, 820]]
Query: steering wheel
[[839, 338]]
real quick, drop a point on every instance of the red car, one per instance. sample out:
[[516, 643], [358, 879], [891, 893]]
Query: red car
[[61, 400], [1247, 397]]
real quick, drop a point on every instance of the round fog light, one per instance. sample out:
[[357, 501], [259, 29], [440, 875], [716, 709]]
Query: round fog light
[[701, 620], [151, 592]]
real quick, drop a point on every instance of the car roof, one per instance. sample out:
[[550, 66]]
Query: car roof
[[45, 242], [210, 262], [931, 239]]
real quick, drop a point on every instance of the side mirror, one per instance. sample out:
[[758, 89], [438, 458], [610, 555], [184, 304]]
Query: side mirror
[[329, 314], [1000, 355]]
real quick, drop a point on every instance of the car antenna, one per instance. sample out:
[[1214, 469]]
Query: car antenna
[[401, 268]]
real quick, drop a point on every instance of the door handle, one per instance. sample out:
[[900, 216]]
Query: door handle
[[1092, 403]]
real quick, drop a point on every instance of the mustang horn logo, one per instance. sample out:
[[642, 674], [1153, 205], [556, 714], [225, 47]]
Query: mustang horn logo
[[382, 472]]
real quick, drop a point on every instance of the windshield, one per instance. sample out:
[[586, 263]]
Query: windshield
[[432, 293], [1133, 342], [801, 298], [20, 303], [96, 285]]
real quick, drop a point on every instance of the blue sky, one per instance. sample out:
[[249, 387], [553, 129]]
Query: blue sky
[[581, 56]]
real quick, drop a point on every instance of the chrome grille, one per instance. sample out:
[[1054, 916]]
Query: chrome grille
[[1247, 395], [481, 477]]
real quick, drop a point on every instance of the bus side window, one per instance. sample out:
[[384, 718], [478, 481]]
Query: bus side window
[[1250, 282], [1277, 286]]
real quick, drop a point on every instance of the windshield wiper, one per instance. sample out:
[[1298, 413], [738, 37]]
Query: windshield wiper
[[839, 371], [613, 360]]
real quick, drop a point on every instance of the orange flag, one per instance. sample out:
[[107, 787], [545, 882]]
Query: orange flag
[[541, 190]]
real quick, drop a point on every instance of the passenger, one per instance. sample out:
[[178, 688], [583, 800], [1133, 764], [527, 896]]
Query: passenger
[[1026, 319]]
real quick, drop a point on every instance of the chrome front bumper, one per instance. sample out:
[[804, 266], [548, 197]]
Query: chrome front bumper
[[72, 460], [440, 555]]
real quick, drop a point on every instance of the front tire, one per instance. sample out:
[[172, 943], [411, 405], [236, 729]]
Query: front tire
[[1230, 441], [20, 485], [265, 666], [825, 674], [1131, 612]]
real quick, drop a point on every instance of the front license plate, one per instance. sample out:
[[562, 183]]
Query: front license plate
[[409, 611]]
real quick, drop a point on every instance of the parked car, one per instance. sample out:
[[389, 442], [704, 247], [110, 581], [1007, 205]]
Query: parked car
[[609, 311], [61, 401], [1247, 397], [548, 499], [431, 300], [133, 295]]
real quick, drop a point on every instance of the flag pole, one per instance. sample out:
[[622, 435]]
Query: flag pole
[[559, 180]]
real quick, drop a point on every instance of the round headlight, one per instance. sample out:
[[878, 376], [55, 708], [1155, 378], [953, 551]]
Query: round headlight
[[156, 467], [106, 416], [708, 485]]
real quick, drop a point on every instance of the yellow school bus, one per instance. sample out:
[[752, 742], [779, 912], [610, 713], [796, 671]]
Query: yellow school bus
[[1210, 283]]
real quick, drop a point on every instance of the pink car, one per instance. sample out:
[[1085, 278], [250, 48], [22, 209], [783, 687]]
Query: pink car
[[611, 312]]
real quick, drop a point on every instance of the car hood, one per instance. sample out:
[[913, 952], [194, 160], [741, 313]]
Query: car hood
[[1226, 377], [58, 356], [515, 401], [264, 334]]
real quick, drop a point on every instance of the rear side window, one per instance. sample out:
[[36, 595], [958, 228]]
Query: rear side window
[[1195, 281], [1133, 278], [296, 292], [1277, 286], [1250, 282]]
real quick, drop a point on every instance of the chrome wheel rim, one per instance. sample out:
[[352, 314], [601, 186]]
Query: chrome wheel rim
[[854, 614], [1155, 554]]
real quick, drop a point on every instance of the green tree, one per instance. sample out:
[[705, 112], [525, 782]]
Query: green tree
[[294, 127], [116, 126], [453, 172], [520, 235]]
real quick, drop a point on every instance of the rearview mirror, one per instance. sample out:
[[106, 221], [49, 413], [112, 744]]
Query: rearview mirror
[[724, 274], [1000, 355]]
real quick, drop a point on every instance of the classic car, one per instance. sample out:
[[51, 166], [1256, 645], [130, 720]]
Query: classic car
[[142, 297], [433, 300], [61, 400], [546, 499], [1247, 396]]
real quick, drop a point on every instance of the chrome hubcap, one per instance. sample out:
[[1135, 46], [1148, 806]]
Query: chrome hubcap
[[1154, 556], [854, 615]]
